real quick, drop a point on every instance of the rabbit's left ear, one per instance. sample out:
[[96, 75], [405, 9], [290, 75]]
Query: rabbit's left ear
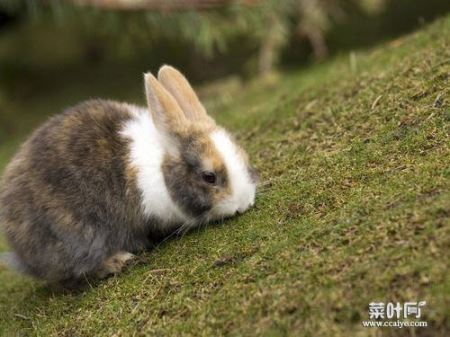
[[167, 114], [184, 94]]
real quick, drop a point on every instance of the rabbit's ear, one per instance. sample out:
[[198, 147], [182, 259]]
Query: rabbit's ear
[[182, 91], [167, 114]]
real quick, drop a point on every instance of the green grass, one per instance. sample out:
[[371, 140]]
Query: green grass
[[354, 207]]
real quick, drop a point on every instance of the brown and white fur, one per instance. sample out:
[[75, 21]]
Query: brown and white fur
[[96, 184]]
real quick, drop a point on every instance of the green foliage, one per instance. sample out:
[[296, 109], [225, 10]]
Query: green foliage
[[269, 24]]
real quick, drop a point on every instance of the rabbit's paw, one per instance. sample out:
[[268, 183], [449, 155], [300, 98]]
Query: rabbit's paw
[[115, 264]]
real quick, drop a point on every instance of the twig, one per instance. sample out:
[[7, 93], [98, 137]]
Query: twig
[[375, 103], [22, 316]]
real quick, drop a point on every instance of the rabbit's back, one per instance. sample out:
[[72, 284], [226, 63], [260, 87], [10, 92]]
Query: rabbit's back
[[68, 199]]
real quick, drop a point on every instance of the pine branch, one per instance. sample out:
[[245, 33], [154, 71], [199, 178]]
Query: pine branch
[[158, 5]]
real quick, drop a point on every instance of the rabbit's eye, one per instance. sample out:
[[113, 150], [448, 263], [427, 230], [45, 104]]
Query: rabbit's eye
[[209, 177]]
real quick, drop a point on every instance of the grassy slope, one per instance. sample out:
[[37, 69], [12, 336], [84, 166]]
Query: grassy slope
[[354, 208]]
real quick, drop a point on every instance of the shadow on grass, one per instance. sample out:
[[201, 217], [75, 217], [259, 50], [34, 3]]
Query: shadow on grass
[[40, 290]]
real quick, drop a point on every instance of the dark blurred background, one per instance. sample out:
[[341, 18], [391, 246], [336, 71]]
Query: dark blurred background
[[54, 53]]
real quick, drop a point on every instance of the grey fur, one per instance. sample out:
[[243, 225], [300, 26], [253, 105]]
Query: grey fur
[[12, 261], [66, 202]]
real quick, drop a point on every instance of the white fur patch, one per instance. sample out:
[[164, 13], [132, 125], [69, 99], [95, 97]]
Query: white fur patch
[[147, 154], [243, 189]]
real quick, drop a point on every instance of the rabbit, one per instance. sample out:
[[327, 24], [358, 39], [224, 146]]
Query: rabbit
[[93, 185]]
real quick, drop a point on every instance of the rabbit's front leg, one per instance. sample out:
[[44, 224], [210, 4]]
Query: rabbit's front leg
[[115, 264]]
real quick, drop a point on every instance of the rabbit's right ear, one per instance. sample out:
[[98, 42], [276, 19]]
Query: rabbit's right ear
[[177, 84], [166, 113]]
